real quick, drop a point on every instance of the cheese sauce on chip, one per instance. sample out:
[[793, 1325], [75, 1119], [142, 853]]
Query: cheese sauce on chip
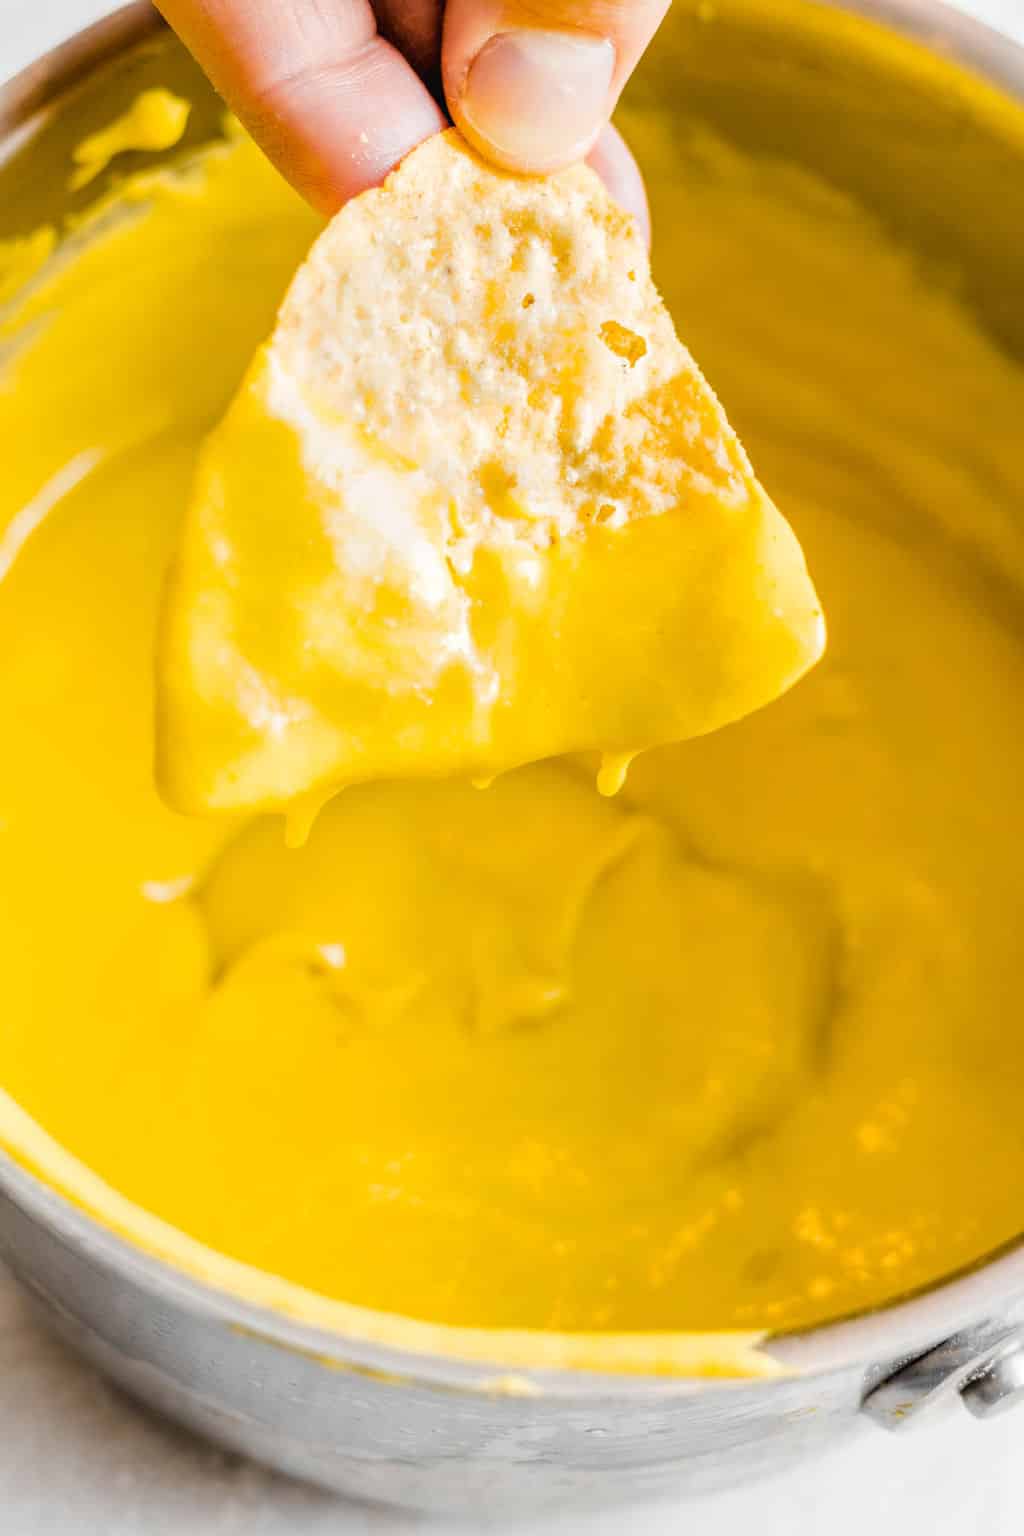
[[474, 506]]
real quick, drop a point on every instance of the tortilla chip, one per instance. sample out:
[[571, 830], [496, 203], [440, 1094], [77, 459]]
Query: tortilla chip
[[473, 506]]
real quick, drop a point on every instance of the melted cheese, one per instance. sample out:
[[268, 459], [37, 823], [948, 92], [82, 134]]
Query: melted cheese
[[733, 1051]]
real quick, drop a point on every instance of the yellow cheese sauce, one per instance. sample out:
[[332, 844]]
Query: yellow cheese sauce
[[733, 1051], [156, 120]]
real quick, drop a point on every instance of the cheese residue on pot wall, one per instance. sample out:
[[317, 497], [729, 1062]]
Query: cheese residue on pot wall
[[701, 1060]]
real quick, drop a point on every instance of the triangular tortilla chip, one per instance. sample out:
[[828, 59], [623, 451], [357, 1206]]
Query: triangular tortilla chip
[[474, 506]]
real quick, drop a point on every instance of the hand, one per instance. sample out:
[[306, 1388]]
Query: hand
[[337, 91]]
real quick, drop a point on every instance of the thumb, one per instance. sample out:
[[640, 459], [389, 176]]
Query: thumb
[[531, 83]]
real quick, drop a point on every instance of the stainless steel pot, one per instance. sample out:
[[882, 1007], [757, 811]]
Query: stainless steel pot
[[435, 1433]]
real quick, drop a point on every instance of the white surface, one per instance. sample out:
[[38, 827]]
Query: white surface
[[77, 1460]]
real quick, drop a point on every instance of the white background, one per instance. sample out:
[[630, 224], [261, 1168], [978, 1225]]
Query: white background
[[76, 1460]]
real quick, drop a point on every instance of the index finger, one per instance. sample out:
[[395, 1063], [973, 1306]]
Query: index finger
[[331, 102]]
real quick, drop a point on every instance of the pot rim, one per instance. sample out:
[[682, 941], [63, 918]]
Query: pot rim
[[896, 1332]]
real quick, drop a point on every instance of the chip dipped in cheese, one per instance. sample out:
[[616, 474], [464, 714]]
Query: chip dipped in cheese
[[473, 506]]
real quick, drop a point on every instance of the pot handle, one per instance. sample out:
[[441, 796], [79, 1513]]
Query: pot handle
[[983, 1366]]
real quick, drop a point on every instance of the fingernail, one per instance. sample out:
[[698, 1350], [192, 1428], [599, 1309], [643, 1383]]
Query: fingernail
[[537, 99]]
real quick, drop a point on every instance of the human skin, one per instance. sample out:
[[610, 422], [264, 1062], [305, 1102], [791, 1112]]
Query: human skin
[[338, 91]]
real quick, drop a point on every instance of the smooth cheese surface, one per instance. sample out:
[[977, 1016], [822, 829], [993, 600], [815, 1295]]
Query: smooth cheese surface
[[733, 1051], [473, 506]]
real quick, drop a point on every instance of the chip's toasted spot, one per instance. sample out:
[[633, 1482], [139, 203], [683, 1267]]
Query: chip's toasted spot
[[624, 343], [474, 505]]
